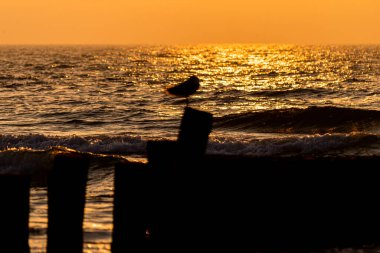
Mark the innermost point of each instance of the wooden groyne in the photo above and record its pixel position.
(14, 213)
(182, 200)
(66, 202)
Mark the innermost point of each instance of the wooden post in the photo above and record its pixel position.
(163, 208)
(175, 198)
(191, 144)
(130, 221)
(194, 131)
(66, 201)
(14, 213)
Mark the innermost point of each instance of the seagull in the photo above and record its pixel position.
(185, 89)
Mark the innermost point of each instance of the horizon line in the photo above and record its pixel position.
(191, 44)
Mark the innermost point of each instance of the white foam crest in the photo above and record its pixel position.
(243, 145)
(124, 144)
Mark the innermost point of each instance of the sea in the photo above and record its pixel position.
(108, 101)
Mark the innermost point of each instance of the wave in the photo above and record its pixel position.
(62, 66)
(29, 162)
(84, 122)
(28, 154)
(270, 74)
(296, 92)
(32, 153)
(314, 145)
(126, 145)
(136, 146)
(15, 161)
(238, 95)
(356, 80)
(311, 120)
(6, 77)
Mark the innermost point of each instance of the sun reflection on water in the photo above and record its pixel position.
(119, 91)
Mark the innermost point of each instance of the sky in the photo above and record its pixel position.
(189, 21)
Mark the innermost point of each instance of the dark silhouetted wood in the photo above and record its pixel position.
(66, 201)
(177, 208)
(163, 153)
(164, 223)
(291, 204)
(257, 204)
(262, 204)
(193, 135)
(14, 213)
(130, 219)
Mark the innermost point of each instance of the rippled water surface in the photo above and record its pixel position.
(267, 100)
(119, 90)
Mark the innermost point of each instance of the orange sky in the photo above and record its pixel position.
(189, 21)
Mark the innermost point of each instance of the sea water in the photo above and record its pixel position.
(266, 100)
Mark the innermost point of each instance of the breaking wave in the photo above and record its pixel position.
(311, 120)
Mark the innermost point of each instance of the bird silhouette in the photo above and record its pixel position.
(185, 89)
